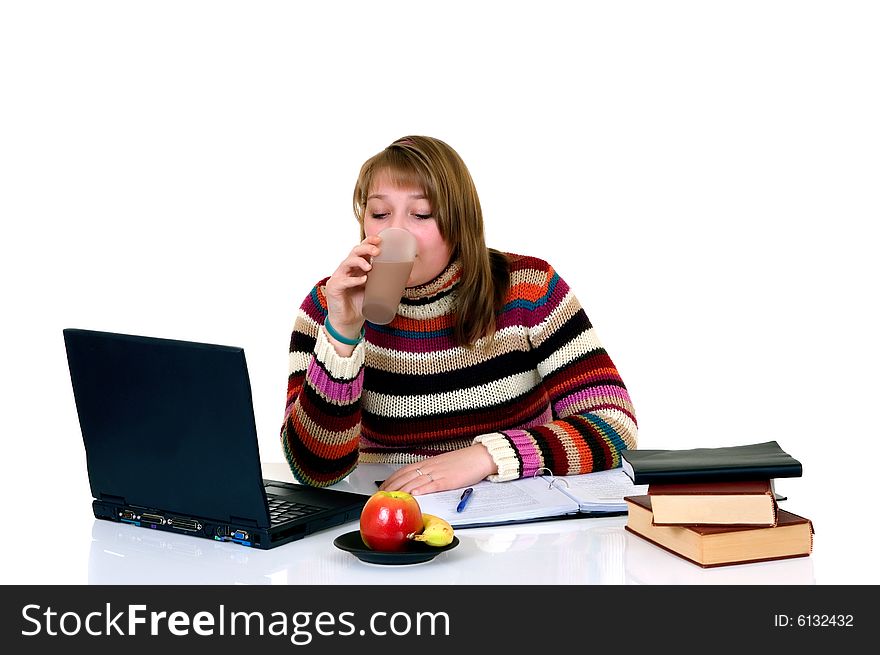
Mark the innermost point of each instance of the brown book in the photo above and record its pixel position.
(714, 503)
(713, 545)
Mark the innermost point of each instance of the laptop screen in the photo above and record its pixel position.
(168, 424)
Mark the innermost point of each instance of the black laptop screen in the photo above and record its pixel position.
(167, 424)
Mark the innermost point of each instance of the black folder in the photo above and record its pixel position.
(760, 461)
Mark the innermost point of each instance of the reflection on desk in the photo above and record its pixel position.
(124, 554)
(587, 551)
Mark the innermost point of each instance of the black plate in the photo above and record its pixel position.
(416, 553)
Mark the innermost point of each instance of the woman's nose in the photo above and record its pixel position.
(398, 219)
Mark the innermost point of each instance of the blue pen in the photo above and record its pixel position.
(465, 497)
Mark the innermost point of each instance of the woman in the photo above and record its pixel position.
(490, 370)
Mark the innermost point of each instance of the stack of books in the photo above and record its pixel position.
(716, 506)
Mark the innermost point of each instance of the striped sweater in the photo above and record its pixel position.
(542, 394)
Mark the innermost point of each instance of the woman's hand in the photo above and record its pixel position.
(453, 470)
(345, 288)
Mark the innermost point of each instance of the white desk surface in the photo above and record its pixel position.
(586, 551)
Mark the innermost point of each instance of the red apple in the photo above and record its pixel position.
(387, 518)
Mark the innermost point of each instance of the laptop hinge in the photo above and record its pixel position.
(109, 498)
(237, 520)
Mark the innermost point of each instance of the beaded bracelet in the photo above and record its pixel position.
(341, 339)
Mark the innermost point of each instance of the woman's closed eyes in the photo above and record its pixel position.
(423, 217)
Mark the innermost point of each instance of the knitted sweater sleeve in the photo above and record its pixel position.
(593, 417)
(322, 416)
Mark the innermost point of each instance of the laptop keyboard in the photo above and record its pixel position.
(281, 511)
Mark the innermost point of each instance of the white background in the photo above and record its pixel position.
(703, 174)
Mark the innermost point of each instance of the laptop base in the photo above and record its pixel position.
(241, 532)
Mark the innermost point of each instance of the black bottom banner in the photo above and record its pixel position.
(430, 619)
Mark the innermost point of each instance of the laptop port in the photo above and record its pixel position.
(153, 518)
(184, 524)
(128, 515)
(222, 531)
(240, 534)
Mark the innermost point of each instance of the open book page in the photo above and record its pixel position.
(602, 491)
(499, 502)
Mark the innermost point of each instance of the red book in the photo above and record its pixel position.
(792, 536)
(714, 503)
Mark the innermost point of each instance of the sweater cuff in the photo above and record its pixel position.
(341, 368)
(504, 455)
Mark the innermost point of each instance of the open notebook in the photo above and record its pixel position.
(536, 499)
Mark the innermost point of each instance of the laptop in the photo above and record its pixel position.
(171, 443)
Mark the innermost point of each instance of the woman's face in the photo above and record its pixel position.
(408, 208)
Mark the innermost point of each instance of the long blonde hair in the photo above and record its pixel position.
(434, 167)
